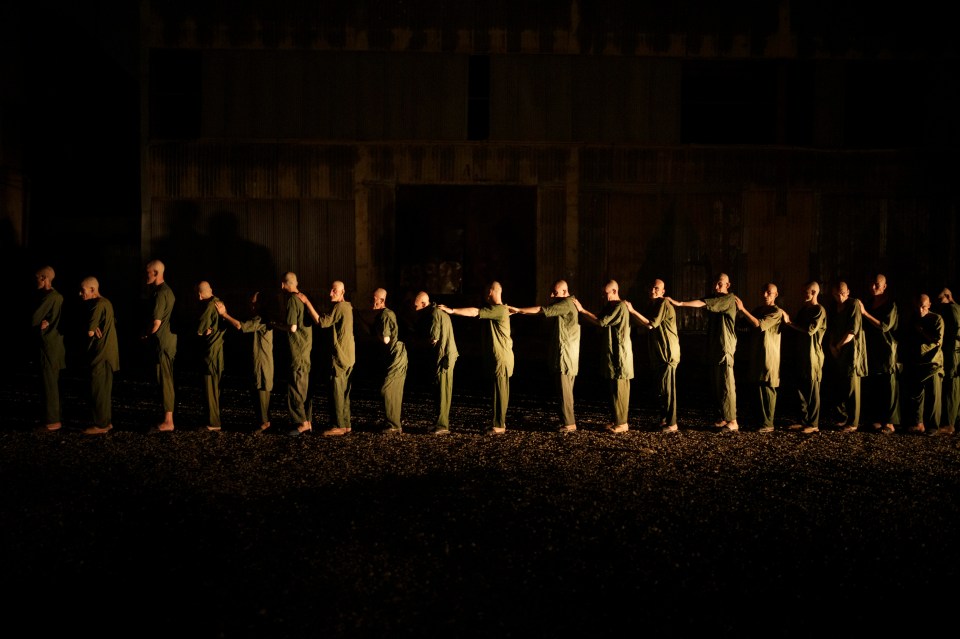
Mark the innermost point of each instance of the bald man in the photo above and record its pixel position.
(210, 330)
(848, 346)
(881, 385)
(445, 357)
(163, 339)
(810, 322)
(260, 328)
(53, 357)
(564, 347)
(496, 346)
(103, 355)
(949, 310)
(764, 364)
(395, 361)
(343, 355)
(721, 348)
(615, 319)
(298, 325)
(924, 367)
(663, 347)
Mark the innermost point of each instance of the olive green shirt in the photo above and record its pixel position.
(565, 335)
(495, 340)
(852, 360)
(765, 354)
(721, 328)
(881, 344)
(212, 342)
(340, 318)
(396, 355)
(663, 341)
(812, 322)
(619, 352)
(441, 334)
(928, 337)
(262, 351)
(301, 340)
(163, 301)
(950, 312)
(49, 308)
(103, 349)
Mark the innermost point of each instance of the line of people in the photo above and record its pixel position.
(863, 339)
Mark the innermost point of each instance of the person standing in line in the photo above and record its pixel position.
(882, 392)
(564, 353)
(164, 340)
(344, 355)
(298, 326)
(497, 348)
(103, 355)
(210, 330)
(764, 367)
(849, 348)
(663, 345)
(53, 356)
(811, 325)
(445, 348)
(615, 318)
(949, 310)
(262, 332)
(395, 362)
(924, 368)
(721, 348)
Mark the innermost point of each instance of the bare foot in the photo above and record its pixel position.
(264, 425)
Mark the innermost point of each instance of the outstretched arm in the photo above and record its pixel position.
(637, 314)
(306, 302)
(467, 311)
(690, 304)
(222, 310)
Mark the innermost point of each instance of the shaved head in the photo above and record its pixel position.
(422, 300)
(204, 289)
(44, 277)
(380, 298)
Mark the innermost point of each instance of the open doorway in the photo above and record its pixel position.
(453, 240)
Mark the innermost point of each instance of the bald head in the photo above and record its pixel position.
(879, 284)
(204, 290)
(945, 296)
(495, 293)
(612, 290)
(289, 282)
(422, 300)
(657, 289)
(380, 298)
(89, 288)
(44, 277)
(560, 289)
(337, 290)
(923, 304)
(155, 269)
(722, 285)
(811, 291)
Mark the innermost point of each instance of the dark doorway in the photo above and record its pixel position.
(453, 240)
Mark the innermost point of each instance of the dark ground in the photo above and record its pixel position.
(532, 533)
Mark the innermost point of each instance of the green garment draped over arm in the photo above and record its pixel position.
(619, 352)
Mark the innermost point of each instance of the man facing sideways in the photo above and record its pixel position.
(210, 331)
(721, 348)
(949, 310)
(298, 326)
(615, 318)
(564, 353)
(53, 357)
(261, 331)
(663, 346)
(394, 360)
(882, 389)
(848, 346)
(103, 355)
(164, 340)
(810, 323)
(343, 355)
(445, 349)
(767, 320)
(497, 348)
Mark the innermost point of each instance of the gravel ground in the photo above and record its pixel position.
(531, 533)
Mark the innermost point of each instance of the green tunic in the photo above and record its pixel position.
(881, 343)
(663, 342)
(103, 355)
(262, 352)
(53, 355)
(495, 340)
(852, 360)
(721, 325)
(619, 352)
(340, 319)
(165, 342)
(395, 360)
(812, 322)
(565, 336)
(301, 340)
(445, 347)
(765, 354)
(212, 342)
(950, 312)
